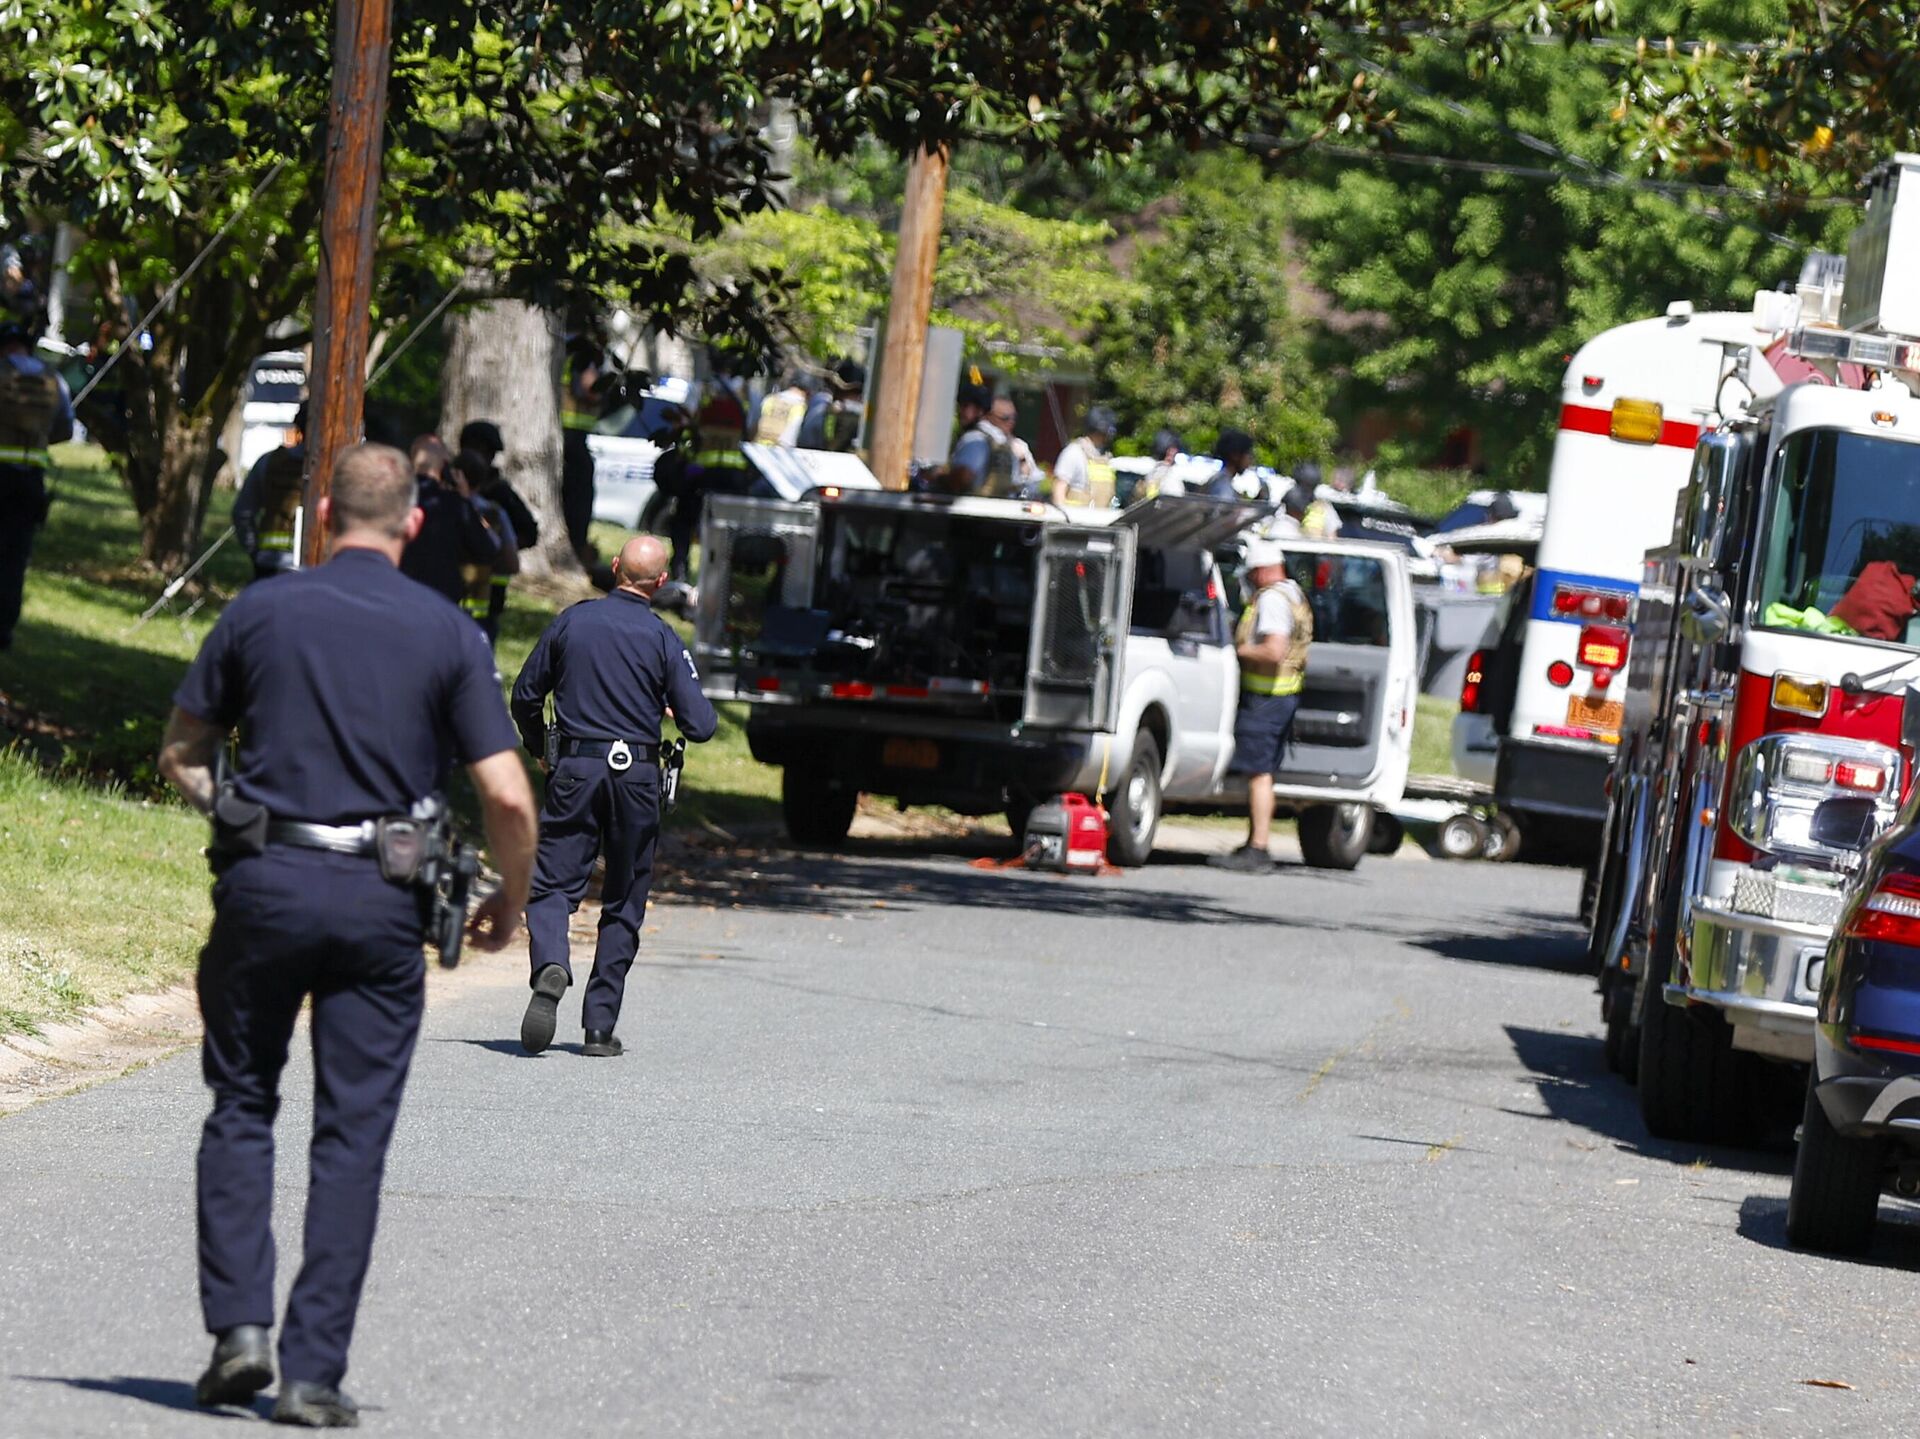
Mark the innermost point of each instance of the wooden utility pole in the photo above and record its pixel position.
(903, 352)
(337, 387)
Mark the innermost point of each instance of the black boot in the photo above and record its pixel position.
(543, 1010)
(602, 1045)
(242, 1365)
(315, 1406)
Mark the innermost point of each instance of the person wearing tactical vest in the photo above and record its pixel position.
(780, 415)
(266, 513)
(986, 451)
(1084, 475)
(1164, 478)
(484, 438)
(35, 412)
(1271, 643)
(483, 577)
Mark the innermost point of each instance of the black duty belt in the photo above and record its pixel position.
(618, 753)
(338, 838)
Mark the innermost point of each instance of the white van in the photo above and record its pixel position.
(986, 654)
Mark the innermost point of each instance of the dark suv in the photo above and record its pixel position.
(1861, 1133)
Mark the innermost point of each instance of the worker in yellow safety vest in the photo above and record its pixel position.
(1271, 642)
(1083, 474)
(266, 513)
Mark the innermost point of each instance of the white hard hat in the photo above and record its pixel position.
(1262, 553)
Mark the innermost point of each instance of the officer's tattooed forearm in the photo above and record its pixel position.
(187, 752)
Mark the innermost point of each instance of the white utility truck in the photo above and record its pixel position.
(986, 654)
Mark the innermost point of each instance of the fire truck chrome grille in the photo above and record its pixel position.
(1762, 894)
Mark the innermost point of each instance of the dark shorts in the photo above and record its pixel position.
(1260, 732)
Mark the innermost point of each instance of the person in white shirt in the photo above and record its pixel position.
(1083, 474)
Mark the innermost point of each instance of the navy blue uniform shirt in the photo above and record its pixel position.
(451, 535)
(612, 665)
(353, 688)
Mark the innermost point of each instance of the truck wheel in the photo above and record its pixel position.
(655, 514)
(1335, 836)
(1622, 1041)
(816, 809)
(1836, 1186)
(1693, 1085)
(1388, 834)
(1462, 837)
(1503, 840)
(1134, 816)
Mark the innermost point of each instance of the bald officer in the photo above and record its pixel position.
(614, 668)
(354, 690)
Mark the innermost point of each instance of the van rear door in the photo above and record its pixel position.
(1083, 595)
(1353, 734)
(754, 627)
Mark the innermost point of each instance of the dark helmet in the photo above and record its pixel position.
(482, 435)
(1166, 442)
(1232, 444)
(1307, 472)
(1101, 421)
(1296, 500)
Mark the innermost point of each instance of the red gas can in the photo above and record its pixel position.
(1067, 832)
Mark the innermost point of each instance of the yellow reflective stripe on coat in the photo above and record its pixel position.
(475, 605)
(21, 455)
(500, 582)
(278, 540)
(1252, 684)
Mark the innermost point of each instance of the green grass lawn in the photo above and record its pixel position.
(106, 890)
(1433, 735)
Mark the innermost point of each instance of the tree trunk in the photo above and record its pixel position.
(503, 364)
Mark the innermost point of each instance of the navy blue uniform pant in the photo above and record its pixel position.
(588, 811)
(288, 924)
(23, 506)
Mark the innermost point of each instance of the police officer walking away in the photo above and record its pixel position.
(353, 690)
(35, 411)
(614, 668)
(1271, 643)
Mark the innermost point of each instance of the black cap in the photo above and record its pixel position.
(979, 396)
(1232, 443)
(482, 435)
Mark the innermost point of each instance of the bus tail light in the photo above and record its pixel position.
(1602, 647)
(1559, 674)
(1864, 778)
(1470, 686)
(1572, 602)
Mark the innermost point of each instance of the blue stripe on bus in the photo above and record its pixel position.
(1547, 581)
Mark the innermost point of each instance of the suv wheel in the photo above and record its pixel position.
(1134, 816)
(1836, 1186)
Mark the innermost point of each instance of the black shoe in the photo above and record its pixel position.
(242, 1365)
(315, 1406)
(543, 1010)
(1248, 859)
(602, 1045)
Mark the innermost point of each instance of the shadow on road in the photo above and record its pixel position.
(1570, 1071)
(1533, 940)
(851, 881)
(510, 1047)
(1896, 1238)
(166, 1393)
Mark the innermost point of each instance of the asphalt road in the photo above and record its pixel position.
(904, 1147)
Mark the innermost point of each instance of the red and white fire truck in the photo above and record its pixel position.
(1768, 734)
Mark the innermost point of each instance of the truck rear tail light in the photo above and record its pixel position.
(1891, 914)
(1602, 647)
(1560, 674)
(767, 684)
(853, 690)
(1798, 695)
(1807, 768)
(1636, 421)
(1867, 778)
(1470, 686)
(953, 685)
(1574, 602)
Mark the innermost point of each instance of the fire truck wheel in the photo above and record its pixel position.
(1134, 815)
(1335, 836)
(1836, 1186)
(817, 811)
(1622, 1040)
(1693, 1084)
(1462, 837)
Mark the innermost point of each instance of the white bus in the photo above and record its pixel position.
(1634, 403)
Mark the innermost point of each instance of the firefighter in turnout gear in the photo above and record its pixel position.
(1274, 634)
(35, 411)
(266, 514)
